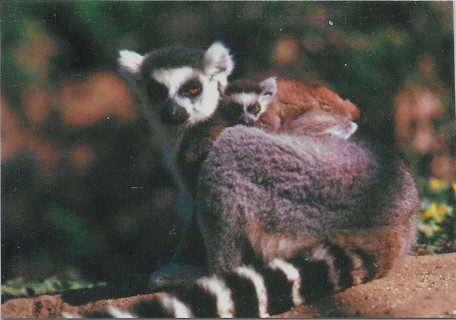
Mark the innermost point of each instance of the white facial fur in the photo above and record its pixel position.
(174, 78)
(268, 90)
(199, 108)
(217, 66)
(245, 99)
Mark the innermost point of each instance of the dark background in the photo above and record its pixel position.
(84, 191)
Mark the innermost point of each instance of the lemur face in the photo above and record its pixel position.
(178, 93)
(250, 99)
(183, 84)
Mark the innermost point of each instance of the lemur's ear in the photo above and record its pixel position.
(268, 91)
(130, 61)
(218, 63)
(269, 86)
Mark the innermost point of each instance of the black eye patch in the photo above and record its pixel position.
(191, 88)
(157, 91)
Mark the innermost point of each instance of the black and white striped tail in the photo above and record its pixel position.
(262, 291)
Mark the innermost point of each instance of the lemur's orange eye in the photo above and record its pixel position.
(255, 109)
(193, 90)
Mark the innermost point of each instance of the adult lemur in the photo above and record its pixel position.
(285, 218)
(182, 86)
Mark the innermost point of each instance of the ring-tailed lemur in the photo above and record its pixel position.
(286, 219)
(294, 98)
(178, 87)
(302, 109)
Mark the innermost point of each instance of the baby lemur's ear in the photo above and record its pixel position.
(218, 63)
(268, 91)
(269, 86)
(130, 62)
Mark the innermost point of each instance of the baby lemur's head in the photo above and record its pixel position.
(245, 100)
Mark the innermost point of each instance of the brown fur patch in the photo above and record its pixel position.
(384, 243)
(294, 98)
(274, 244)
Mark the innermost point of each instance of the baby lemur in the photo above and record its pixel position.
(280, 105)
(294, 98)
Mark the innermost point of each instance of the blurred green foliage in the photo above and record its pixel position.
(118, 216)
(20, 288)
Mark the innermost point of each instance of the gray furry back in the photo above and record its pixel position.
(263, 196)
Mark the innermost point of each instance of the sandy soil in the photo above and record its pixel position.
(425, 287)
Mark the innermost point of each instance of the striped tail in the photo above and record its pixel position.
(262, 291)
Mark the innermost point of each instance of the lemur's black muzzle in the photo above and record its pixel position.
(173, 114)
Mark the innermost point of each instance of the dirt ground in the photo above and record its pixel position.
(423, 288)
